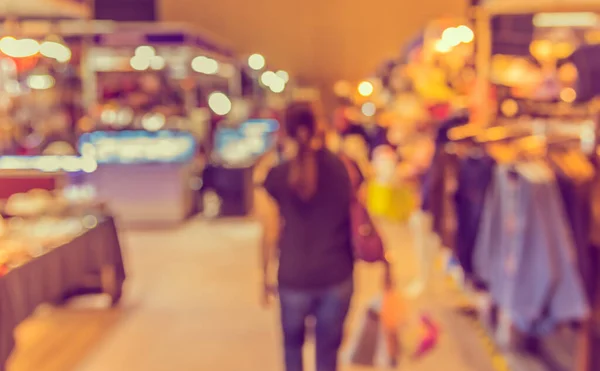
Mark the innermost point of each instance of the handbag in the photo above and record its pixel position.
(366, 241)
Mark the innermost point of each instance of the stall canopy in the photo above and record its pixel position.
(175, 34)
(538, 6)
(44, 9)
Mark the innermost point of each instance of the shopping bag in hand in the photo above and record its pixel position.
(373, 343)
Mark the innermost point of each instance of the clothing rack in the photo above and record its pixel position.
(553, 135)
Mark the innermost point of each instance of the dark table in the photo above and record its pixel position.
(90, 263)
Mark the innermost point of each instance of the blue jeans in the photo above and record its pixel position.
(329, 307)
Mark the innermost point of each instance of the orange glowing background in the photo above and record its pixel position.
(320, 41)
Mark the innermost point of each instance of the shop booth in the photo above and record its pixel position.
(538, 132)
(39, 85)
(56, 241)
(145, 68)
(229, 187)
(150, 85)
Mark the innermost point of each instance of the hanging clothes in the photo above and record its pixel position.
(439, 184)
(439, 188)
(525, 253)
(575, 195)
(474, 177)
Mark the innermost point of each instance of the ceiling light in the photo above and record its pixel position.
(153, 121)
(365, 88)
(139, 63)
(40, 82)
(582, 19)
(19, 48)
(157, 62)
(211, 66)
(283, 75)
(451, 36)
(268, 77)
(219, 103)
(465, 34)
(145, 51)
(368, 109)
(55, 50)
(441, 46)
(277, 85)
(205, 65)
(257, 62)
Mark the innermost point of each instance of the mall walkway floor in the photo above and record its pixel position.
(192, 305)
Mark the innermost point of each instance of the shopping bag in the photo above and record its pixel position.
(422, 336)
(374, 344)
(393, 310)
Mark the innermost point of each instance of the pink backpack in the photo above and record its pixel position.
(367, 243)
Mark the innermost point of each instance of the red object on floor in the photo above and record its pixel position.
(430, 340)
(22, 184)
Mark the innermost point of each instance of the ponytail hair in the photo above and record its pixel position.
(301, 126)
(301, 123)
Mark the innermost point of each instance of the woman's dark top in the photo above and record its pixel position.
(315, 240)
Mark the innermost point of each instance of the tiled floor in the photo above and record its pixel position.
(192, 304)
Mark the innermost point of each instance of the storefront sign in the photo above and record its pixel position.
(240, 145)
(48, 164)
(260, 127)
(126, 147)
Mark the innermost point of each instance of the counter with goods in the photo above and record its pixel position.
(143, 177)
(48, 259)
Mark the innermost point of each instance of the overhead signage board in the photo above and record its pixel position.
(126, 10)
(127, 147)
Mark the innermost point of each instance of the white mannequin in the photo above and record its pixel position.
(427, 246)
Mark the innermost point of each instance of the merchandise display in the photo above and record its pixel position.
(397, 113)
(51, 260)
(154, 76)
(511, 207)
(510, 194)
(23, 239)
(39, 97)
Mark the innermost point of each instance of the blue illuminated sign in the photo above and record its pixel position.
(127, 147)
(260, 126)
(246, 142)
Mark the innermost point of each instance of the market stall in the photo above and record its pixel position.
(83, 257)
(139, 72)
(143, 177)
(229, 187)
(155, 88)
(40, 83)
(54, 244)
(537, 135)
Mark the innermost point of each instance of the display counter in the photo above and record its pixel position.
(90, 263)
(142, 177)
(145, 194)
